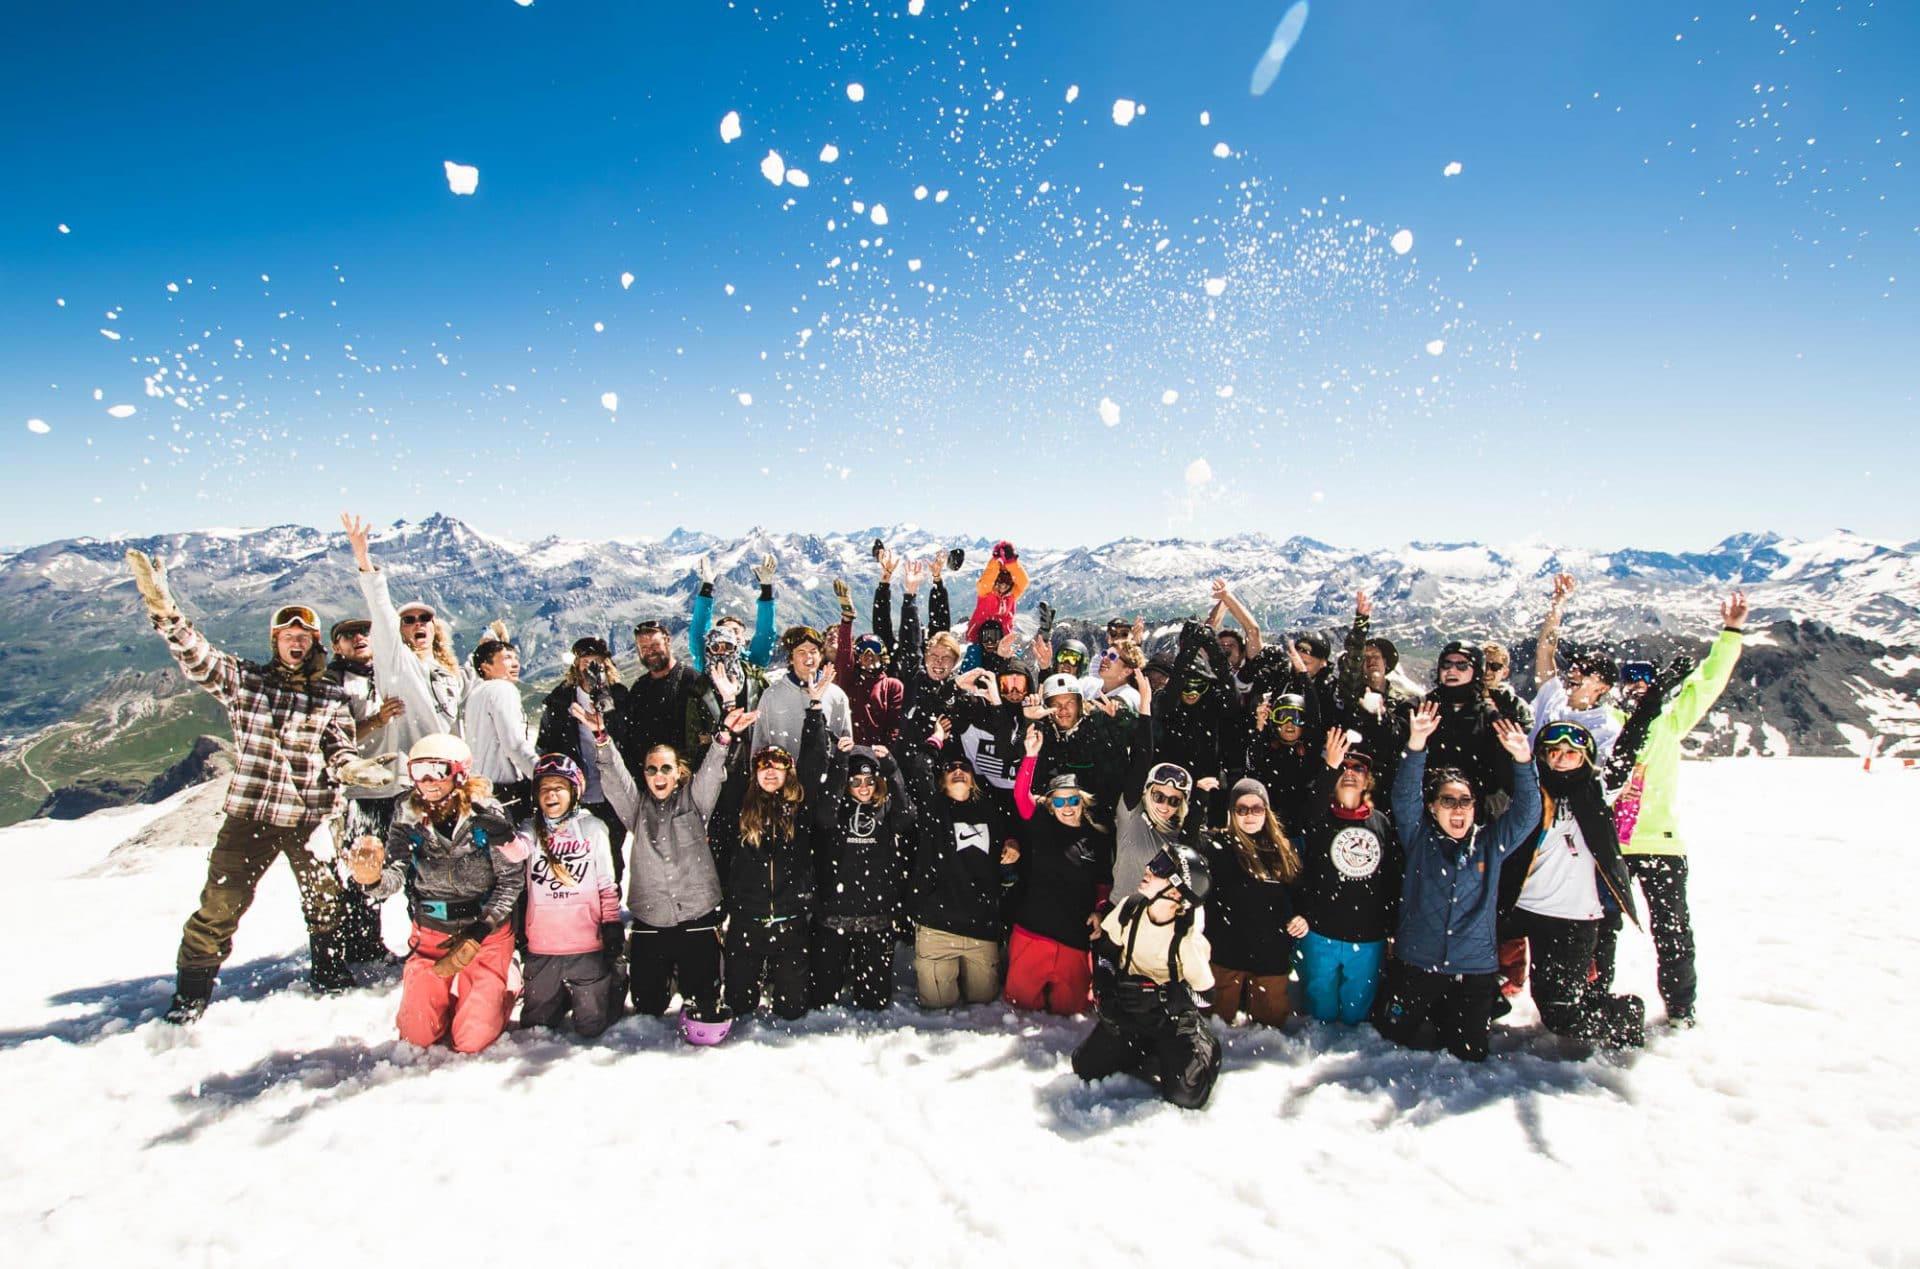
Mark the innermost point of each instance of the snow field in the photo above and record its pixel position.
(1779, 1132)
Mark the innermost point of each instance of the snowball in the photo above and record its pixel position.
(856, 92)
(913, 266)
(626, 281)
(1402, 242)
(1451, 169)
(879, 214)
(730, 126)
(919, 192)
(1169, 396)
(1224, 391)
(1220, 150)
(729, 287)
(1436, 346)
(110, 334)
(599, 328)
(940, 196)
(1206, 118)
(1124, 109)
(609, 401)
(38, 427)
(1199, 472)
(1109, 412)
(1073, 94)
(122, 411)
(1216, 286)
(796, 177)
(829, 152)
(746, 398)
(915, 6)
(773, 167)
(65, 230)
(462, 179)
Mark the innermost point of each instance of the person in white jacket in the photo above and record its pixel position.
(411, 659)
(495, 725)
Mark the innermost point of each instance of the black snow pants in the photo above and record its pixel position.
(1561, 952)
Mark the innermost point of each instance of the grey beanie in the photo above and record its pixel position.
(1247, 784)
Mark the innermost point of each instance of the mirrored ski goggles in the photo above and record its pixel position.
(1171, 773)
(430, 769)
(1636, 672)
(1069, 658)
(1572, 735)
(772, 756)
(296, 615)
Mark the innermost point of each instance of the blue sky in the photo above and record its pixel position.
(1668, 295)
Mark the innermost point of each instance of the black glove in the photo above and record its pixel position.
(478, 932)
(1677, 669)
(1046, 621)
(613, 940)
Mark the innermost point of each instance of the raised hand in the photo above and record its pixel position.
(942, 729)
(1042, 650)
(1208, 783)
(845, 744)
(357, 532)
(1513, 738)
(703, 568)
(842, 593)
(150, 579)
(767, 569)
(1563, 588)
(726, 684)
(390, 708)
(936, 565)
(1217, 589)
(822, 680)
(589, 717)
(365, 859)
(881, 751)
(888, 562)
(368, 773)
(1337, 746)
(1733, 610)
(1106, 705)
(738, 720)
(1422, 722)
(1261, 713)
(498, 630)
(916, 573)
(1363, 604)
(1140, 631)
(1033, 741)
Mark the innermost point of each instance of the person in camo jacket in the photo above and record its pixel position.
(293, 747)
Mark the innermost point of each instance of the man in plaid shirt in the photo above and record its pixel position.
(293, 747)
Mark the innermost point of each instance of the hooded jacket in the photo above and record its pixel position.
(671, 876)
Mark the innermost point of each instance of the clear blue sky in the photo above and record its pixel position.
(1673, 282)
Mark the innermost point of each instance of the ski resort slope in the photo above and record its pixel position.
(286, 1129)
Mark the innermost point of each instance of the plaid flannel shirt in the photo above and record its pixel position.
(288, 744)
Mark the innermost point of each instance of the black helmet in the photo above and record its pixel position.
(1186, 868)
(1073, 647)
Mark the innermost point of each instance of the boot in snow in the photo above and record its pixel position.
(330, 972)
(191, 991)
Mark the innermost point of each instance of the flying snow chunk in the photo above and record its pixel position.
(913, 266)
(746, 398)
(462, 179)
(879, 213)
(1124, 109)
(525, 4)
(1224, 391)
(1073, 95)
(1169, 396)
(1216, 286)
(122, 411)
(1199, 473)
(856, 92)
(1451, 169)
(829, 152)
(773, 167)
(796, 177)
(1401, 242)
(1206, 118)
(626, 281)
(38, 427)
(1220, 150)
(1109, 412)
(1436, 346)
(729, 288)
(609, 401)
(1285, 36)
(919, 193)
(940, 196)
(915, 6)
(110, 334)
(730, 127)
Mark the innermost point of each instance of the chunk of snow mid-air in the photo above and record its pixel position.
(626, 281)
(1402, 242)
(1109, 412)
(110, 334)
(38, 426)
(63, 229)
(879, 213)
(915, 6)
(797, 177)
(730, 126)
(746, 398)
(1436, 346)
(1169, 396)
(913, 266)
(122, 411)
(1451, 169)
(1285, 36)
(1073, 95)
(1124, 109)
(773, 167)
(462, 179)
(609, 401)
(1199, 472)
(1216, 286)
(1221, 150)
(828, 153)
(856, 92)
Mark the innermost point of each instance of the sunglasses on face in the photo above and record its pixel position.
(1250, 808)
(1059, 800)
(416, 618)
(862, 781)
(1455, 663)
(1450, 802)
(1166, 799)
(1109, 656)
(659, 768)
(430, 769)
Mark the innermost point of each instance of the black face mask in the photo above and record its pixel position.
(1562, 783)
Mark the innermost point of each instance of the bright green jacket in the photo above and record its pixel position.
(1657, 831)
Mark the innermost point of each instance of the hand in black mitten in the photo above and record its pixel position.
(1677, 669)
(613, 941)
(1046, 621)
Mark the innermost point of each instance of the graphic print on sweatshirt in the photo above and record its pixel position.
(575, 856)
(1356, 853)
(970, 837)
(994, 765)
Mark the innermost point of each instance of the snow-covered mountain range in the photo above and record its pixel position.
(72, 625)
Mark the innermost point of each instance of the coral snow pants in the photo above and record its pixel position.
(470, 1008)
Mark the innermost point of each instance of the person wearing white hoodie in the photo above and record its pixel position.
(412, 659)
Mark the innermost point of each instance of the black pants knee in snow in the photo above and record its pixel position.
(1663, 879)
(1179, 1054)
(773, 956)
(685, 957)
(1458, 1008)
(1561, 952)
(583, 985)
(858, 959)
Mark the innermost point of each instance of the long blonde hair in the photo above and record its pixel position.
(443, 646)
(450, 809)
(1269, 856)
(765, 815)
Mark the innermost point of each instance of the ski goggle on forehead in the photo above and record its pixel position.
(1570, 734)
(296, 615)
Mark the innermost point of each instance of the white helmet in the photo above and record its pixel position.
(1059, 685)
(442, 747)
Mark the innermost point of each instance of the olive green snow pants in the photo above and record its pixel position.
(242, 853)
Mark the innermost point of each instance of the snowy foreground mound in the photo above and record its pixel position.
(287, 1129)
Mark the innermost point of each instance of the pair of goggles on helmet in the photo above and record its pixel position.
(1069, 656)
(772, 756)
(419, 769)
(1172, 774)
(1572, 735)
(296, 615)
(1164, 866)
(721, 640)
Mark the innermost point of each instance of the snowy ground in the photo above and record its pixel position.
(290, 1129)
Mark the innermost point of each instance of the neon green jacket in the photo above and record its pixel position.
(1658, 771)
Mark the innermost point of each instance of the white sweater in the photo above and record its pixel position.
(496, 729)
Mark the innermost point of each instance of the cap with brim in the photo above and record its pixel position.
(1065, 782)
(350, 627)
(416, 605)
(1314, 645)
(1388, 653)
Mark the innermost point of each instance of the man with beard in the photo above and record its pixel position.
(656, 709)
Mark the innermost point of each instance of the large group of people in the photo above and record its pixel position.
(1075, 821)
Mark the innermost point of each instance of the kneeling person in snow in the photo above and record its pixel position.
(1150, 972)
(575, 951)
(452, 849)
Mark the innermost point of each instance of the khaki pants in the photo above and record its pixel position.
(242, 853)
(950, 968)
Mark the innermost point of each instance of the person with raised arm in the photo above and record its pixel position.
(1001, 584)
(963, 847)
(757, 653)
(1065, 861)
(412, 653)
(863, 864)
(860, 668)
(1349, 887)
(1580, 694)
(1242, 646)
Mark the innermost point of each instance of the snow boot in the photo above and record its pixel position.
(191, 991)
(330, 973)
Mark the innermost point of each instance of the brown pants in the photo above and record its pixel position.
(242, 853)
(1263, 996)
(949, 968)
